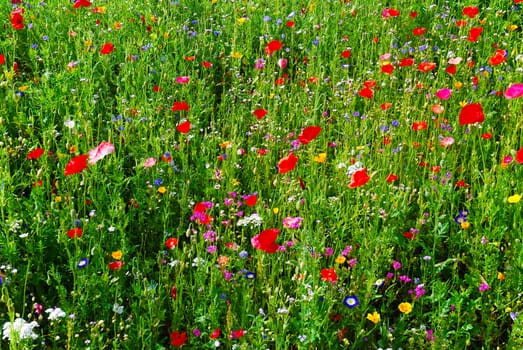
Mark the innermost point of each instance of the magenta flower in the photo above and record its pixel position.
(514, 91)
(483, 287)
(444, 94)
(292, 222)
(103, 149)
(183, 80)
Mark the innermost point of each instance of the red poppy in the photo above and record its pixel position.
(408, 235)
(81, 3)
(419, 126)
(486, 136)
(260, 113)
(35, 154)
(206, 64)
(76, 165)
(266, 240)
(470, 11)
(2, 58)
(184, 127)
(329, 275)
(308, 134)
(472, 113)
(75, 232)
(451, 69)
(426, 66)
(461, 183)
(413, 14)
(359, 178)
(290, 24)
(250, 200)
(391, 178)
(461, 23)
(498, 58)
(180, 106)
(346, 54)
(474, 34)
(116, 265)
(519, 156)
(366, 92)
(272, 47)
(370, 83)
(173, 292)
(156, 88)
(385, 106)
(418, 31)
(107, 49)
(386, 140)
(406, 62)
(237, 334)
(387, 68)
(17, 20)
(287, 164)
(216, 333)
(171, 243)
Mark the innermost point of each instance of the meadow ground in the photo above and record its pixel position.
(261, 174)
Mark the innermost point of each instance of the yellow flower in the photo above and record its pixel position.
(465, 225)
(241, 20)
(512, 27)
(320, 158)
(117, 255)
(458, 85)
(235, 182)
(275, 210)
(236, 54)
(501, 276)
(340, 259)
(166, 35)
(162, 189)
(374, 317)
(57, 199)
(514, 199)
(225, 144)
(405, 308)
(23, 88)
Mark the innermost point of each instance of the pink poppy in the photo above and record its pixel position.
(514, 91)
(103, 149)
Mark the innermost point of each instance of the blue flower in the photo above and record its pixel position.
(250, 275)
(351, 301)
(83, 263)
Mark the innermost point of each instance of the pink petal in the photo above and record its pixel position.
(444, 94)
(103, 149)
(514, 91)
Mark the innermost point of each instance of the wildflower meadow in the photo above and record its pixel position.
(239, 174)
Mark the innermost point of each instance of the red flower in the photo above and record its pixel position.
(75, 232)
(359, 178)
(366, 92)
(260, 113)
(287, 164)
(385, 106)
(206, 64)
(474, 34)
(470, 11)
(387, 68)
(173, 292)
(237, 334)
(216, 333)
(413, 14)
(272, 47)
(406, 62)
(180, 106)
(419, 126)
(81, 3)
(346, 54)
(178, 339)
(290, 24)
(451, 69)
(418, 31)
(461, 183)
(308, 134)
(171, 243)
(35, 154)
(329, 275)
(250, 200)
(486, 136)
(498, 58)
(107, 49)
(116, 265)
(426, 66)
(391, 178)
(2, 58)
(470, 114)
(184, 127)
(265, 240)
(76, 165)
(17, 20)
(519, 156)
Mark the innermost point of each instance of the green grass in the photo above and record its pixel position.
(388, 242)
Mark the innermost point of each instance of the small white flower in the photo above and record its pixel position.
(21, 327)
(55, 313)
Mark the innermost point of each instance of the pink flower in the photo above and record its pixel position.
(183, 80)
(483, 287)
(292, 222)
(446, 141)
(282, 63)
(149, 162)
(103, 149)
(444, 94)
(514, 91)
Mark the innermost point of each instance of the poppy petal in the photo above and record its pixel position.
(514, 91)
(308, 134)
(470, 114)
(76, 165)
(287, 164)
